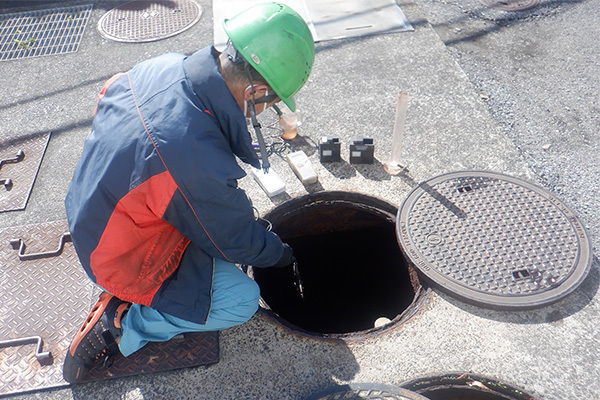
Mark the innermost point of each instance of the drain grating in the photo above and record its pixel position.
(147, 21)
(511, 5)
(19, 164)
(494, 240)
(42, 32)
(45, 296)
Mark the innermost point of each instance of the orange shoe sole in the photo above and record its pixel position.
(90, 321)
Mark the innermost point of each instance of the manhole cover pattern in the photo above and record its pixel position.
(490, 235)
(42, 32)
(511, 5)
(146, 21)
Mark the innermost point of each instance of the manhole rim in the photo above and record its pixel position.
(466, 380)
(109, 36)
(489, 300)
(423, 294)
(359, 388)
(422, 299)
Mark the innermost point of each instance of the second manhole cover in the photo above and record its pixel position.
(511, 5)
(147, 21)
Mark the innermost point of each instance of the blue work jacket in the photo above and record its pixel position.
(158, 173)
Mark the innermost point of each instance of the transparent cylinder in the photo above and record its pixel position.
(393, 166)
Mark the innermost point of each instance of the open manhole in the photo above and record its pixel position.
(511, 5)
(149, 20)
(488, 239)
(494, 240)
(465, 387)
(352, 270)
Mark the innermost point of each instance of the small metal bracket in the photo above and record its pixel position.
(20, 245)
(44, 358)
(19, 157)
(7, 183)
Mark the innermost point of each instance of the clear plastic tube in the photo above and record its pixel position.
(393, 166)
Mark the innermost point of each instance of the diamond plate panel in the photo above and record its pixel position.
(50, 296)
(494, 240)
(20, 161)
(192, 349)
(44, 297)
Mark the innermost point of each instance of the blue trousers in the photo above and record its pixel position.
(234, 301)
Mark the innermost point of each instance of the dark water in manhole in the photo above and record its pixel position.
(353, 273)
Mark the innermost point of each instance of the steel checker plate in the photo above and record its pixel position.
(50, 296)
(147, 21)
(494, 240)
(189, 350)
(21, 173)
(43, 32)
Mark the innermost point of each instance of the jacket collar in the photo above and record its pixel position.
(215, 98)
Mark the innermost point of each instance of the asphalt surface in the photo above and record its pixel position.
(514, 93)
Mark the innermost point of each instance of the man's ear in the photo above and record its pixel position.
(260, 89)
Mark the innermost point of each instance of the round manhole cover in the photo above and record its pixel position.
(494, 240)
(511, 5)
(147, 21)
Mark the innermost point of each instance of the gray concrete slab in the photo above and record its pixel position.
(538, 72)
(550, 352)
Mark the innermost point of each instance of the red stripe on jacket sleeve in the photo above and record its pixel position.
(105, 87)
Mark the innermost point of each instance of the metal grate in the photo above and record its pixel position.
(42, 32)
(494, 240)
(147, 21)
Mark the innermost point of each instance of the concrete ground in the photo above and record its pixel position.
(510, 93)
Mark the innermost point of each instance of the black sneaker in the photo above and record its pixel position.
(97, 338)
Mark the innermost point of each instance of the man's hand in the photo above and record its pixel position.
(287, 258)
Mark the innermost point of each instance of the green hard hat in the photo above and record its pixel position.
(276, 41)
